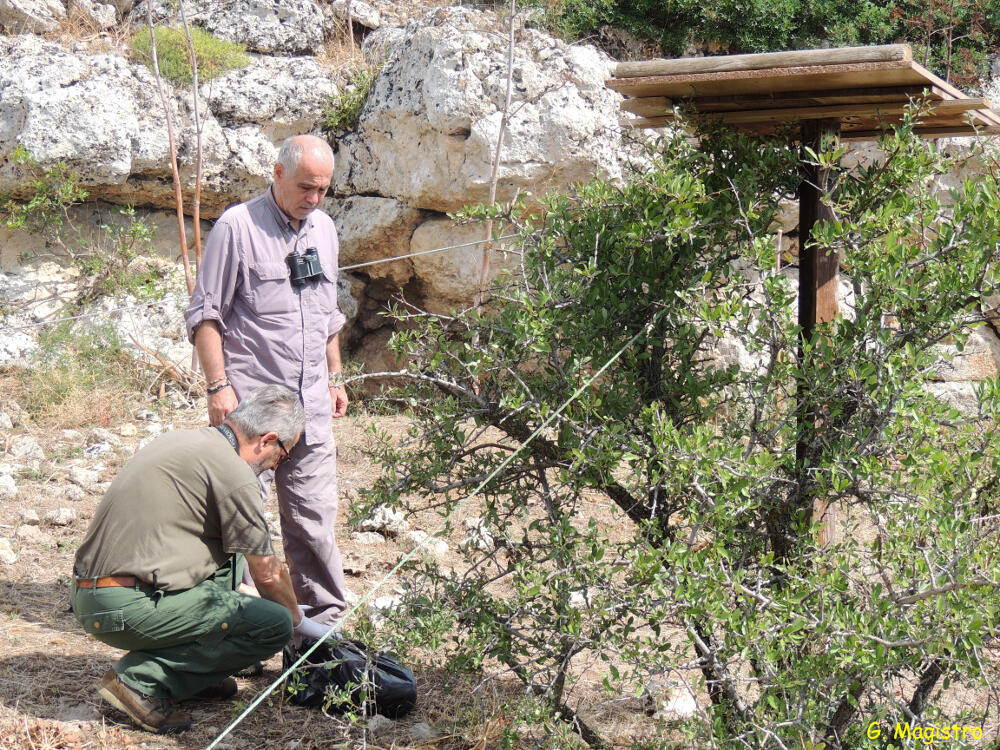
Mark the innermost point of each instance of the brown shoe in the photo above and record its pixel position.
(220, 691)
(152, 714)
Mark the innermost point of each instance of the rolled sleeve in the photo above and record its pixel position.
(218, 278)
(335, 322)
(241, 518)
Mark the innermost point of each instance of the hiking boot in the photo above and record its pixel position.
(152, 714)
(220, 691)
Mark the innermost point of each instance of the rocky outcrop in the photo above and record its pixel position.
(281, 96)
(356, 12)
(372, 229)
(423, 147)
(101, 116)
(283, 27)
(441, 93)
(99, 16)
(450, 277)
(273, 27)
(31, 16)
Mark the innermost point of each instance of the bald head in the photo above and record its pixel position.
(302, 175)
(294, 148)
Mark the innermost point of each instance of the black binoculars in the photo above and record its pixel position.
(305, 267)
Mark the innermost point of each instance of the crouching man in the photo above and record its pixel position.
(158, 570)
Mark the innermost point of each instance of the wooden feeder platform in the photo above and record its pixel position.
(865, 88)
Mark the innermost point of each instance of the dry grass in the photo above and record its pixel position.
(341, 52)
(55, 397)
(77, 26)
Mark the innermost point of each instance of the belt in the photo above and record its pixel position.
(101, 583)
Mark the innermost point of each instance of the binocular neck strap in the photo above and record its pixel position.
(228, 434)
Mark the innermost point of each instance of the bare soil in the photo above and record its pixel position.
(49, 667)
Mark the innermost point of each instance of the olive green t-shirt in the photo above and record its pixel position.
(179, 508)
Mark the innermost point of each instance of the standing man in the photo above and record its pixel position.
(157, 573)
(264, 310)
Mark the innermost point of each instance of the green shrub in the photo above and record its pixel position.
(952, 37)
(51, 190)
(343, 110)
(114, 264)
(111, 260)
(214, 56)
(658, 520)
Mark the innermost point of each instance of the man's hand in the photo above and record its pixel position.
(309, 628)
(220, 404)
(338, 397)
(270, 576)
(208, 344)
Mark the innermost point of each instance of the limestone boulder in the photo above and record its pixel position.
(372, 229)
(441, 95)
(358, 12)
(275, 27)
(8, 487)
(283, 95)
(7, 554)
(960, 395)
(379, 44)
(88, 111)
(31, 16)
(978, 359)
(25, 448)
(449, 278)
(390, 12)
(101, 116)
(93, 14)
(16, 348)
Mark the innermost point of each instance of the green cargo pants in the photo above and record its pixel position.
(181, 642)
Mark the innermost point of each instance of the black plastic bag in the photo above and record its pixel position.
(340, 666)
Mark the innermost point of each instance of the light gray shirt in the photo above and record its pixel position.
(272, 332)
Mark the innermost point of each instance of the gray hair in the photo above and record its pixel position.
(270, 408)
(293, 147)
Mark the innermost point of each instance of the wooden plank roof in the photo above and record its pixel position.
(866, 88)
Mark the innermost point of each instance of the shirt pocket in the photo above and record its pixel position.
(270, 290)
(109, 621)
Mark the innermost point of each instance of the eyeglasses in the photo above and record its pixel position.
(284, 450)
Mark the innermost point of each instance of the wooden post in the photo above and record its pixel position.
(817, 283)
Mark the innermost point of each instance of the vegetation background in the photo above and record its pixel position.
(954, 38)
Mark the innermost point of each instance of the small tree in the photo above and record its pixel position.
(709, 566)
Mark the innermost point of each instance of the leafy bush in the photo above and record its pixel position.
(115, 265)
(51, 190)
(343, 110)
(952, 37)
(111, 261)
(214, 56)
(655, 518)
